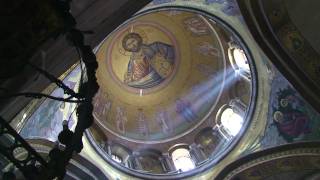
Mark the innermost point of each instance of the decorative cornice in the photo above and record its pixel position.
(268, 155)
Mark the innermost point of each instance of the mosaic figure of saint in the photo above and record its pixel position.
(197, 26)
(101, 105)
(205, 69)
(162, 118)
(289, 115)
(121, 119)
(106, 108)
(207, 49)
(292, 124)
(183, 108)
(142, 124)
(149, 64)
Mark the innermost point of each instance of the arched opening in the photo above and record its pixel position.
(148, 160)
(231, 121)
(182, 159)
(119, 153)
(241, 59)
(116, 158)
(238, 60)
(208, 141)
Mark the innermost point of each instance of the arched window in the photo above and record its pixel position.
(149, 160)
(231, 121)
(116, 158)
(241, 59)
(119, 153)
(182, 159)
(238, 60)
(208, 140)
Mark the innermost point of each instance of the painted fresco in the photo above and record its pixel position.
(157, 2)
(304, 56)
(149, 51)
(197, 26)
(229, 7)
(46, 121)
(207, 49)
(183, 109)
(163, 121)
(290, 118)
(121, 120)
(155, 72)
(149, 64)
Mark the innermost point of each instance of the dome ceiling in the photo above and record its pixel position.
(175, 90)
(155, 72)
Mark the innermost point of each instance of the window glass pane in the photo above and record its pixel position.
(182, 160)
(241, 59)
(116, 158)
(231, 121)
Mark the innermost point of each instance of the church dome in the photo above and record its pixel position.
(176, 86)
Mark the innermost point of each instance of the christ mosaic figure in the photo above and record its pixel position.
(149, 64)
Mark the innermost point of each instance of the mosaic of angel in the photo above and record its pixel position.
(149, 64)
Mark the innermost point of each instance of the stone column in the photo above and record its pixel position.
(135, 161)
(238, 106)
(129, 162)
(167, 162)
(163, 164)
(196, 153)
(109, 148)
